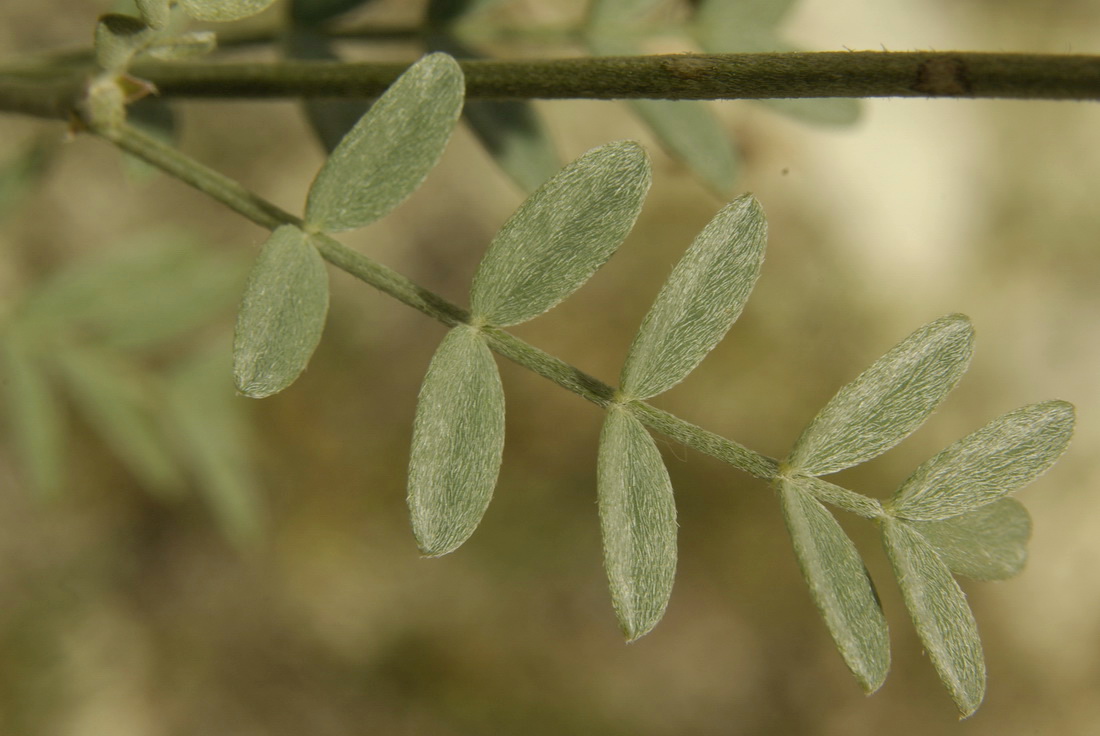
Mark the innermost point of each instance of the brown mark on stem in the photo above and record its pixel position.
(943, 75)
(688, 67)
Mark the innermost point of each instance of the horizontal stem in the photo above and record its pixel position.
(57, 91)
(48, 97)
(673, 77)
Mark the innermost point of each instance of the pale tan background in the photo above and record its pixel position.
(122, 616)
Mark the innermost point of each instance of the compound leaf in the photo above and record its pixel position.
(702, 298)
(939, 611)
(223, 10)
(986, 465)
(561, 235)
(35, 416)
(391, 149)
(888, 401)
(282, 314)
(638, 520)
(458, 438)
(988, 543)
(840, 586)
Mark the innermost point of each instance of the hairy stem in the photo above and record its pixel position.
(218, 186)
(830, 493)
(672, 77)
(43, 98)
(55, 91)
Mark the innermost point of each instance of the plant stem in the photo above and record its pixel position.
(267, 215)
(43, 98)
(216, 185)
(706, 442)
(672, 77)
(420, 34)
(856, 503)
(49, 91)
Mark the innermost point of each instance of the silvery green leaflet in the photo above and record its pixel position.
(371, 171)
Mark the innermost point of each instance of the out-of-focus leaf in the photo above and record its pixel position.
(688, 130)
(282, 314)
(888, 401)
(638, 520)
(315, 12)
(155, 13)
(118, 38)
(826, 111)
(391, 149)
(615, 13)
(144, 293)
(561, 235)
(35, 416)
(117, 401)
(19, 175)
(732, 25)
(458, 439)
(514, 135)
(223, 10)
(986, 465)
(330, 119)
(988, 543)
(212, 438)
(939, 611)
(510, 130)
(840, 586)
(702, 298)
(184, 46)
(446, 12)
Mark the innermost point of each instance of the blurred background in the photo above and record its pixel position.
(258, 576)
